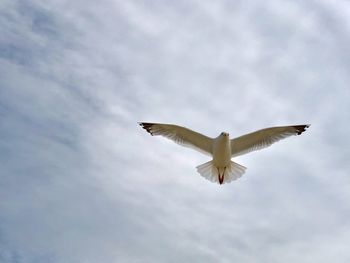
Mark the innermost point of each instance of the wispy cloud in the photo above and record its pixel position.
(81, 182)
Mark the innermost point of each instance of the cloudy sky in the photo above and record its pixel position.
(80, 181)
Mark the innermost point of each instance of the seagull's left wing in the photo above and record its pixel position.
(180, 135)
(263, 138)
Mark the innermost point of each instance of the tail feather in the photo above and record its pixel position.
(207, 171)
(211, 173)
(235, 171)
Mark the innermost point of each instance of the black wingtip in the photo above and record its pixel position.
(301, 128)
(147, 126)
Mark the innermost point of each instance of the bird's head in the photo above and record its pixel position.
(224, 134)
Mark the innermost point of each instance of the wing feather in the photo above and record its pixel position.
(263, 138)
(180, 135)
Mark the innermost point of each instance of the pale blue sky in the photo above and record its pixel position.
(80, 181)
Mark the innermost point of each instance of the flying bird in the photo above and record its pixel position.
(221, 169)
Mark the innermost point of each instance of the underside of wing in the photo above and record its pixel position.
(180, 135)
(263, 138)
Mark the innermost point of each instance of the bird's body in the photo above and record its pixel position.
(221, 169)
(221, 150)
(221, 155)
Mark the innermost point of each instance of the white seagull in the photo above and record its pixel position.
(221, 169)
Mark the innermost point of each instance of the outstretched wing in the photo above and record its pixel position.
(180, 135)
(263, 138)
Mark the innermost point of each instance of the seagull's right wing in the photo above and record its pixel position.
(180, 135)
(263, 138)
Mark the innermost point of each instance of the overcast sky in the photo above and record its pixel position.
(80, 181)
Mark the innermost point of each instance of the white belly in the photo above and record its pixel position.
(222, 153)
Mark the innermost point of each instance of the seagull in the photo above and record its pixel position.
(221, 169)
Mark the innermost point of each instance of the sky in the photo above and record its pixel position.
(80, 181)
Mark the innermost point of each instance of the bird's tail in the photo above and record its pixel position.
(221, 176)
